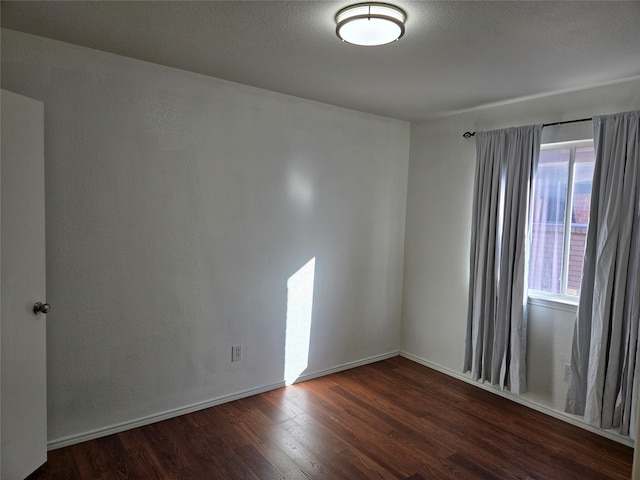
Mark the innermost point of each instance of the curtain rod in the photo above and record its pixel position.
(472, 134)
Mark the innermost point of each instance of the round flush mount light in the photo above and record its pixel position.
(370, 24)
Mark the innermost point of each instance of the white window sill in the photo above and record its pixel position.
(557, 303)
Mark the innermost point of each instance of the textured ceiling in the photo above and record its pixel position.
(455, 55)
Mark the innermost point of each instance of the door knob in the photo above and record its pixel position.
(40, 307)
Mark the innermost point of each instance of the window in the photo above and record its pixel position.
(561, 200)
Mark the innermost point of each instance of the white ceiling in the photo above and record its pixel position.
(455, 55)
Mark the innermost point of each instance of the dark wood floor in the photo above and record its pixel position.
(391, 419)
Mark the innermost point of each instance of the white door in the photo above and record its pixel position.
(23, 389)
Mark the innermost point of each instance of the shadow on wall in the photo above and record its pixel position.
(298, 322)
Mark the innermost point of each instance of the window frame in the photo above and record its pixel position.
(539, 296)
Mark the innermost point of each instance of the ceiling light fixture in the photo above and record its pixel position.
(370, 24)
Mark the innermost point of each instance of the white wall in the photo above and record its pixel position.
(0, 310)
(441, 171)
(177, 207)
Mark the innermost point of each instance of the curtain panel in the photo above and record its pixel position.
(495, 348)
(604, 364)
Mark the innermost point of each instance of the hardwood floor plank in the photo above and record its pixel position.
(60, 466)
(310, 464)
(347, 460)
(445, 433)
(365, 425)
(561, 440)
(470, 469)
(393, 419)
(281, 449)
(258, 464)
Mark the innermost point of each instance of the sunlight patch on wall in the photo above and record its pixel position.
(298, 326)
(301, 189)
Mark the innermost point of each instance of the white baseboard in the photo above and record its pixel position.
(346, 366)
(176, 412)
(140, 422)
(566, 417)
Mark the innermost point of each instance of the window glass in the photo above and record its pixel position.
(582, 182)
(561, 202)
(549, 206)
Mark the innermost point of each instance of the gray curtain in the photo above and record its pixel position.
(495, 347)
(604, 362)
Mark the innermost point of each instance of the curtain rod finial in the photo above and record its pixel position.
(469, 134)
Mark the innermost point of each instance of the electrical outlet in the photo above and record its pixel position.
(567, 372)
(236, 353)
